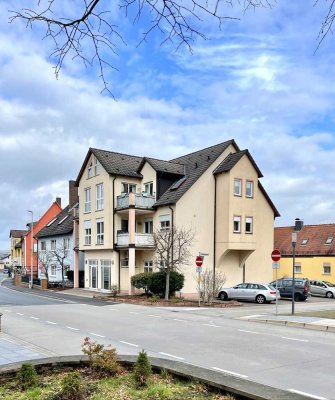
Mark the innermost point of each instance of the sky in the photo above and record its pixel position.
(258, 80)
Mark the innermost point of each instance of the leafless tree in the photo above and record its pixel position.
(57, 257)
(88, 35)
(45, 260)
(211, 284)
(60, 255)
(172, 250)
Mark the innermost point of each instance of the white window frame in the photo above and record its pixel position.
(239, 187)
(66, 244)
(90, 169)
(237, 218)
(100, 196)
(96, 167)
(128, 187)
(165, 222)
(53, 270)
(43, 245)
(150, 223)
(88, 233)
(149, 188)
(53, 244)
(297, 268)
(327, 265)
(251, 194)
(100, 231)
(87, 207)
(250, 221)
(148, 266)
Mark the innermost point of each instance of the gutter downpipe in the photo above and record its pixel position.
(172, 223)
(114, 247)
(214, 234)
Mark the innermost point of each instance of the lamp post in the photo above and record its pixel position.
(32, 249)
(294, 242)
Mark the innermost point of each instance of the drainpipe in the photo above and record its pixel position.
(214, 233)
(114, 247)
(172, 227)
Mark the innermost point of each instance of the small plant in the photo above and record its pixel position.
(155, 298)
(114, 290)
(73, 387)
(142, 368)
(104, 360)
(27, 377)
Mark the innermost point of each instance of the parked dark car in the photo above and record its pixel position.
(301, 288)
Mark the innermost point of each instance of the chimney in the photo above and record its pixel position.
(73, 193)
(59, 201)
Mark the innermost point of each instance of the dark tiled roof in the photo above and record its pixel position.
(232, 159)
(164, 166)
(17, 233)
(55, 229)
(316, 235)
(195, 165)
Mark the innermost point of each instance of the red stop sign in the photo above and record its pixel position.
(198, 261)
(275, 255)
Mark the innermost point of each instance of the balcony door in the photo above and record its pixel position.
(105, 274)
(93, 266)
(148, 225)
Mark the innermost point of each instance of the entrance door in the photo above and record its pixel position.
(93, 264)
(105, 274)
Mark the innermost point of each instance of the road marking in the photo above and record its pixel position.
(129, 344)
(19, 313)
(312, 396)
(246, 331)
(7, 310)
(96, 334)
(132, 312)
(297, 340)
(50, 322)
(113, 309)
(212, 325)
(230, 372)
(154, 316)
(251, 316)
(179, 320)
(170, 355)
(72, 329)
(34, 318)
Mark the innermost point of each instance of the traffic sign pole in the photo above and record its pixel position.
(275, 255)
(198, 262)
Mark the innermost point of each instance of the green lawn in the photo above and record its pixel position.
(318, 314)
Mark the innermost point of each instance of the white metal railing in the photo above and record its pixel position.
(141, 201)
(141, 239)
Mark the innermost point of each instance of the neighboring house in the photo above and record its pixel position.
(16, 237)
(214, 191)
(4, 261)
(28, 241)
(58, 244)
(315, 252)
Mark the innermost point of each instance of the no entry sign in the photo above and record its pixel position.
(275, 255)
(198, 261)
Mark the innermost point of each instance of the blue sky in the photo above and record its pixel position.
(256, 80)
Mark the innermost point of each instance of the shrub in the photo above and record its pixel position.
(142, 368)
(73, 387)
(141, 281)
(27, 377)
(157, 282)
(102, 359)
(114, 290)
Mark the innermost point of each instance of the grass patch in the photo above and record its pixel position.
(318, 314)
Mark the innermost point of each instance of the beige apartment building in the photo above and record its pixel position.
(215, 192)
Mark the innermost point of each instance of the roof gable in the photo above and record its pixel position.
(232, 159)
(61, 225)
(162, 166)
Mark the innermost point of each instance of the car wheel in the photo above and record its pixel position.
(329, 295)
(223, 296)
(260, 299)
(297, 297)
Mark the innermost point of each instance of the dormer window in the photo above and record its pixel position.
(329, 240)
(96, 167)
(90, 170)
(304, 242)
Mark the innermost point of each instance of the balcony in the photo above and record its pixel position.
(141, 240)
(142, 201)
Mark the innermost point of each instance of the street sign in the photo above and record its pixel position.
(198, 261)
(275, 265)
(275, 255)
(198, 269)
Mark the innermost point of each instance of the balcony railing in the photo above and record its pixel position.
(138, 200)
(141, 239)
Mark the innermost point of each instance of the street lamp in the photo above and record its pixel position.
(294, 242)
(32, 249)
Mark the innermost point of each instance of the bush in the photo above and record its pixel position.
(142, 368)
(73, 387)
(114, 290)
(27, 377)
(157, 283)
(102, 359)
(141, 281)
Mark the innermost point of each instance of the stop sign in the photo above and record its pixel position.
(275, 255)
(198, 261)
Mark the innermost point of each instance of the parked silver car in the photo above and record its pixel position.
(258, 292)
(322, 288)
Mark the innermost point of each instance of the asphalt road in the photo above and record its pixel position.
(289, 358)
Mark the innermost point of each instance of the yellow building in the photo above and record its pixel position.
(15, 236)
(315, 252)
(215, 192)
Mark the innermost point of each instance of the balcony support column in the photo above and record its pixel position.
(131, 228)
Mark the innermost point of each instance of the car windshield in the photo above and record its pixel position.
(329, 284)
(272, 287)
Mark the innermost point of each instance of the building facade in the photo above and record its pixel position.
(214, 192)
(16, 238)
(315, 252)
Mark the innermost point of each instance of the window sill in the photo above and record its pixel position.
(248, 233)
(327, 274)
(238, 232)
(237, 195)
(249, 197)
(87, 212)
(99, 244)
(100, 209)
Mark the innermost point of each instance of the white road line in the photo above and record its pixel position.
(312, 396)
(297, 340)
(50, 322)
(132, 312)
(154, 316)
(113, 309)
(34, 318)
(72, 329)
(7, 310)
(244, 330)
(251, 316)
(230, 372)
(212, 325)
(129, 344)
(19, 313)
(170, 355)
(179, 320)
(96, 334)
